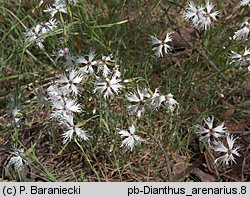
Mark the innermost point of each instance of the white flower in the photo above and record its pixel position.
(211, 132)
(156, 99)
(88, 63)
(33, 34)
(57, 6)
(14, 116)
(201, 16)
(144, 99)
(56, 93)
(169, 100)
(116, 71)
(161, 46)
(108, 87)
(243, 32)
(71, 128)
(62, 53)
(74, 78)
(229, 151)
(51, 10)
(16, 164)
(193, 13)
(139, 101)
(14, 112)
(206, 16)
(245, 2)
(102, 65)
(49, 26)
(66, 54)
(62, 108)
(131, 139)
(240, 59)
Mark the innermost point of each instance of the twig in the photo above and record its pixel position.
(166, 158)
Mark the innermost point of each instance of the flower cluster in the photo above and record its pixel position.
(97, 67)
(36, 33)
(142, 100)
(241, 59)
(99, 77)
(104, 74)
(108, 81)
(63, 99)
(63, 94)
(215, 136)
(201, 16)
